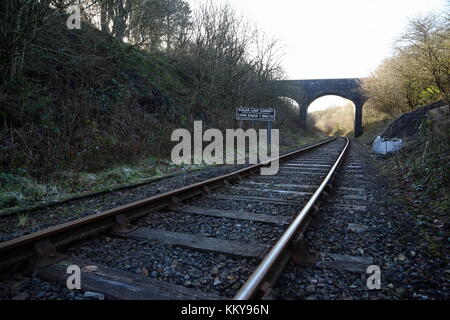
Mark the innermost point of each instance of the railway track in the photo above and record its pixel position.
(226, 237)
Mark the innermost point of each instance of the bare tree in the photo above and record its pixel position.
(419, 72)
(228, 54)
(19, 23)
(427, 42)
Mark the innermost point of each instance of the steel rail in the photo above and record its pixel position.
(75, 230)
(251, 286)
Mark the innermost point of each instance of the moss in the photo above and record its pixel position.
(33, 190)
(16, 189)
(9, 199)
(151, 171)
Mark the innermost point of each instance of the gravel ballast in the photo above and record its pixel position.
(361, 219)
(387, 232)
(10, 226)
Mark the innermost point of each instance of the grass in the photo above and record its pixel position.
(19, 191)
(14, 189)
(426, 161)
(23, 219)
(310, 139)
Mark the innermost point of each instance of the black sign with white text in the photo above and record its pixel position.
(258, 114)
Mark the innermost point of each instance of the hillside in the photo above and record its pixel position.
(422, 164)
(89, 111)
(95, 97)
(409, 124)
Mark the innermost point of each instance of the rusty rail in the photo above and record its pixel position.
(270, 262)
(24, 247)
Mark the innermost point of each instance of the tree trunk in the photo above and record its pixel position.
(7, 39)
(104, 17)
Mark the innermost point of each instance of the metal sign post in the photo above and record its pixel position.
(258, 114)
(269, 137)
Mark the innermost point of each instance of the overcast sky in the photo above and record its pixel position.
(332, 38)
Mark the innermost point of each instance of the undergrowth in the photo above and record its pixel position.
(19, 188)
(88, 110)
(426, 161)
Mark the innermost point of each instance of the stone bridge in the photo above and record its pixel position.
(304, 92)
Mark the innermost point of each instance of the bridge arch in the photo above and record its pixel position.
(306, 91)
(289, 100)
(287, 111)
(330, 114)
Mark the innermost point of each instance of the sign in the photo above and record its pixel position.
(258, 114)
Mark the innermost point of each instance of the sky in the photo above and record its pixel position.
(332, 38)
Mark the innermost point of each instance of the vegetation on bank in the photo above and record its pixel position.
(417, 74)
(21, 192)
(423, 164)
(419, 71)
(99, 101)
